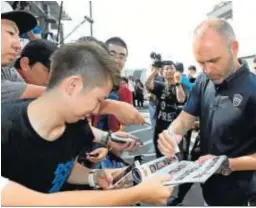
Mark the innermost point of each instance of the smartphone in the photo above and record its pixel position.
(123, 173)
(122, 140)
(118, 140)
(93, 154)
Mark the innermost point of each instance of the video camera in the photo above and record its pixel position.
(157, 60)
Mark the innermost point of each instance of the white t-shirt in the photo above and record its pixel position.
(131, 85)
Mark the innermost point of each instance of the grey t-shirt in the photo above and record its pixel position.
(12, 84)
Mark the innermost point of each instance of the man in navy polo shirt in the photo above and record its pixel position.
(224, 98)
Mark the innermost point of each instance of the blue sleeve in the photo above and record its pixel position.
(36, 30)
(193, 103)
(185, 81)
(113, 96)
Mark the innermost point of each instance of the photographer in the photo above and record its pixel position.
(152, 98)
(170, 94)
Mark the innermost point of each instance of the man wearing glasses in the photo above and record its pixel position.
(118, 49)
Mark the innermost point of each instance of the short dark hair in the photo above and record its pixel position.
(92, 39)
(37, 51)
(117, 41)
(89, 60)
(179, 67)
(125, 80)
(192, 67)
(30, 63)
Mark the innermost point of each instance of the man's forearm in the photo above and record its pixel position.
(182, 124)
(150, 81)
(16, 195)
(32, 91)
(121, 197)
(181, 97)
(243, 163)
(78, 175)
(97, 134)
(178, 128)
(108, 106)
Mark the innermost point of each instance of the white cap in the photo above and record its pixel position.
(5, 7)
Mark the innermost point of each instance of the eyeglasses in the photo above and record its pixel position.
(120, 56)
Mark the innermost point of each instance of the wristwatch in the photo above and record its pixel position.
(177, 84)
(105, 137)
(91, 181)
(225, 169)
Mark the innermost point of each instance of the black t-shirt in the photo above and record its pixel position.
(139, 89)
(227, 115)
(166, 109)
(32, 161)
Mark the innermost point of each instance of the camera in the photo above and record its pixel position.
(157, 60)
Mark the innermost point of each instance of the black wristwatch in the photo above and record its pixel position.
(225, 169)
(177, 84)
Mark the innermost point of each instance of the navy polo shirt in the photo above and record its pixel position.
(227, 115)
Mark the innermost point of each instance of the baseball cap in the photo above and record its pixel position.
(39, 50)
(25, 21)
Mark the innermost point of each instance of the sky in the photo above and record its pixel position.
(163, 26)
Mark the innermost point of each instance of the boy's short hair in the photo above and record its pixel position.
(87, 59)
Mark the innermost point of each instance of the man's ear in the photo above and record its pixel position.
(73, 85)
(235, 48)
(24, 64)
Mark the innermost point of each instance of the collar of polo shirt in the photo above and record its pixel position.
(226, 82)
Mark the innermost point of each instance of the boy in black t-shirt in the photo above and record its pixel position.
(41, 138)
(169, 94)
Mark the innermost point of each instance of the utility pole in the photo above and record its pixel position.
(60, 28)
(91, 23)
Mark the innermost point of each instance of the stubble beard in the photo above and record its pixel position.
(230, 67)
